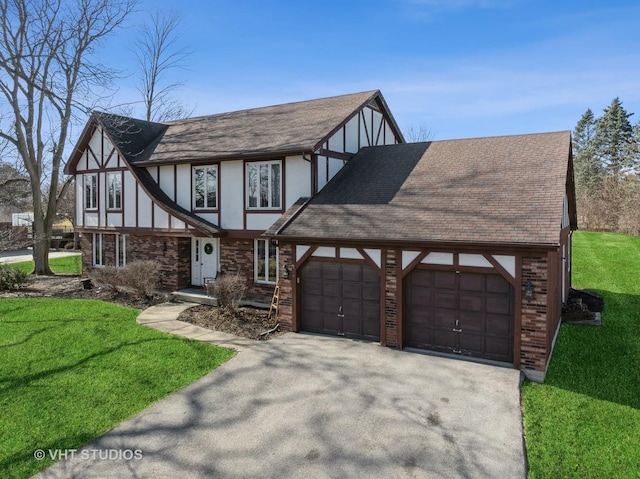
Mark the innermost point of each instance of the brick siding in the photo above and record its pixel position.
(237, 255)
(390, 302)
(172, 253)
(534, 351)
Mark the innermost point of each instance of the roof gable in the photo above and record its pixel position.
(506, 189)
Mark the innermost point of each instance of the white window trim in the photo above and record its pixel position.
(98, 259)
(258, 164)
(109, 197)
(120, 240)
(205, 168)
(266, 269)
(94, 196)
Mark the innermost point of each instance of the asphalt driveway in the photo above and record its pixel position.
(304, 406)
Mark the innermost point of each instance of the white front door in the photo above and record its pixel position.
(204, 260)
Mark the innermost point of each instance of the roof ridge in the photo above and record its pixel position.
(297, 102)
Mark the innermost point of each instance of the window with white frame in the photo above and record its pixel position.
(98, 249)
(91, 191)
(264, 184)
(122, 246)
(205, 187)
(266, 259)
(114, 191)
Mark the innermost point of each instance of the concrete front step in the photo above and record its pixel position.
(193, 295)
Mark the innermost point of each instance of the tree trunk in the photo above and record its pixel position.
(41, 243)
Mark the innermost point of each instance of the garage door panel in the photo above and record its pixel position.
(471, 302)
(371, 292)
(417, 297)
(499, 325)
(471, 282)
(314, 287)
(498, 305)
(422, 278)
(350, 305)
(481, 303)
(497, 284)
(445, 280)
(445, 300)
(497, 350)
(352, 290)
(332, 290)
(472, 344)
(444, 339)
(330, 271)
(444, 319)
(352, 272)
(312, 270)
(369, 276)
(471, 322)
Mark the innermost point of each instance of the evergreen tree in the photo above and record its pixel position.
(588, 171)
(615, 140)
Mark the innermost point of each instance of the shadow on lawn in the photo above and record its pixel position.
(602, 362)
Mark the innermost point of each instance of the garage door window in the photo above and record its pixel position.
(266, 261)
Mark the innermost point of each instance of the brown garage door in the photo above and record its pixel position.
(464, 313)
(340, 299)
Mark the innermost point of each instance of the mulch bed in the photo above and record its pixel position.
(247, 322)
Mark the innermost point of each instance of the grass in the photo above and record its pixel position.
(584, 422)
(65, 265)
(73, 369)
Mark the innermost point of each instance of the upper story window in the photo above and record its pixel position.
(205, 187)
(114, 191)
(264, 184)
(91, 191)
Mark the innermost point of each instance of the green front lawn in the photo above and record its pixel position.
(73, 369)
(66, 265)
(584, 422)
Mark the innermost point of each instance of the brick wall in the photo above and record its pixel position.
(237, 255)
(172, 253)
(285, 310)
(534, 328)
(390, 303)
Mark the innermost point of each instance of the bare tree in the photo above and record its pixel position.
(14, 187)
(157, 55)
(417, 134)
(46, 49)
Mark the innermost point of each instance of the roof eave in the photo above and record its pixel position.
(227, 157)
(409, 243)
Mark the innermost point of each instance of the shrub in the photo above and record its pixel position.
(109, 276)
(141, 276)
(12, 278)
(229, 290)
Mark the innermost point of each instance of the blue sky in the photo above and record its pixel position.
(459, 68)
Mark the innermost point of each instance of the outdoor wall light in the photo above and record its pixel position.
(528, 291)
(164, 246)
(285, 272)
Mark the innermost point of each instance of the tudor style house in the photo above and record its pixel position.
(198, 194)
(461, 247)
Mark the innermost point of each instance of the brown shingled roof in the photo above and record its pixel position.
(290, 128)
(507, 189)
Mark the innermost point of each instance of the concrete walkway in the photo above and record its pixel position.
(164, 318)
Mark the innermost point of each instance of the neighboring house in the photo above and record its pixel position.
(459, 246)
(197, 194)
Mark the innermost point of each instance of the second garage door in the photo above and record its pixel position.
(340, 299)
(460, 312)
